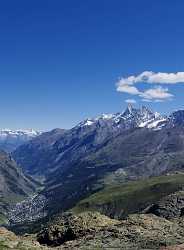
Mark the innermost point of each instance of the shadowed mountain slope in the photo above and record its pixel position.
(14, 185)
(138, 143)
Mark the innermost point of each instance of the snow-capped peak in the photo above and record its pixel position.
(131, 117)
(11, 139)
(26, 132)
(91, 121)
(150, 119)
(129, 108)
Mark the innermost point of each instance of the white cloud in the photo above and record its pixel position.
(128, 89)
(154, 78)
(157, 93)
(132, 101)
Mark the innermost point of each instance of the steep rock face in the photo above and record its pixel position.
(36, 156)
(176, 118)
(169, 207)
(12, 178)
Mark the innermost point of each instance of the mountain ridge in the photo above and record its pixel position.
(75, 162)
(140, 117)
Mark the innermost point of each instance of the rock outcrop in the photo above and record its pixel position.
(71, 227)
(94, 231)
(171, 206)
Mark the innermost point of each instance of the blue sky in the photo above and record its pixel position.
(60, 60)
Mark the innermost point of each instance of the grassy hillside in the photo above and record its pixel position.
(118, 200)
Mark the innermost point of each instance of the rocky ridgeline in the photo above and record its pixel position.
(72, 227)
(157, 229)
(93, 231)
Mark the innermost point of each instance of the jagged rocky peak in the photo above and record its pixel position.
(143, 112)
(142, 117)
(148, 112)
(131, 117)
(130, 110)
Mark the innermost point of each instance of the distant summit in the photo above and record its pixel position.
(11, 139)
(130, 118)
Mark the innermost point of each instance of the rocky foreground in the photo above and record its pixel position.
(8, 240)
(91, 230)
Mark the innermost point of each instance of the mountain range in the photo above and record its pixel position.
(11, 139)
(92, 133)
(113, 165)
(137, 143)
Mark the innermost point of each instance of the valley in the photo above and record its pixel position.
(92, 125)
(123, 171)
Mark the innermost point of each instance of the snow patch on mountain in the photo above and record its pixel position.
(28, 132)
(131, 117)
(11, 139)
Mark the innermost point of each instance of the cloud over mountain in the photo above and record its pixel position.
(133, 101)
(156, 93)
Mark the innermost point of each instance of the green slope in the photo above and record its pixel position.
(118, 200)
